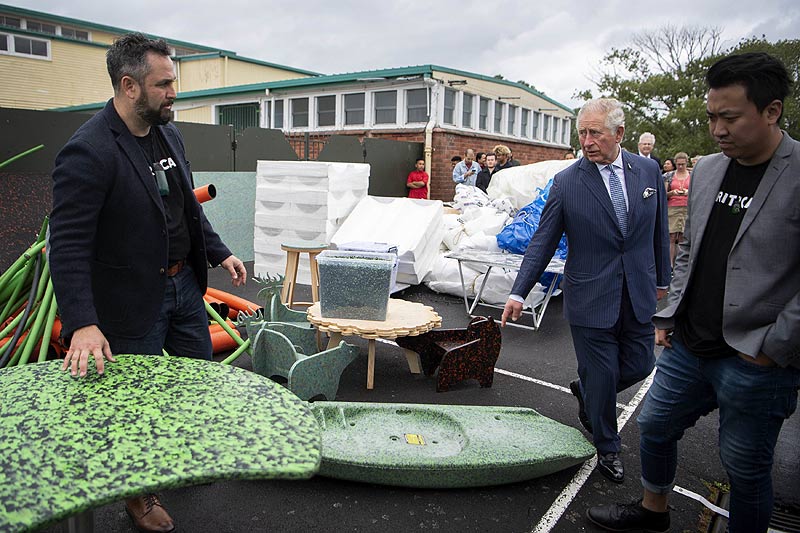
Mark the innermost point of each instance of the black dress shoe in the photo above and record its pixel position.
(575, 388)
(610, 465)
(628, 517)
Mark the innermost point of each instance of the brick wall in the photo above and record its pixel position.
(445, 145)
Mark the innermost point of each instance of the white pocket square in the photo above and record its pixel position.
(648, 192)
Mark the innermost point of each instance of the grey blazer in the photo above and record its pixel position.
(762, 280)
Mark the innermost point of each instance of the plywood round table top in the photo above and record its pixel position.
(403, 318)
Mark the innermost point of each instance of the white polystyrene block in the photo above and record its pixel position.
(295, 193)
(404, 222)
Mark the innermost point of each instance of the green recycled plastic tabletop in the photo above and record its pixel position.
(149, 423)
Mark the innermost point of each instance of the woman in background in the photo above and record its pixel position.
(677, 183)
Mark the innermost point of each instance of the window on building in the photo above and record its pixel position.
(3, 42)
(483, 116)
(299, 110)
(326, 110)
(354, 109)
(498, 116)
(41, 27)
(546, 128)
(565, 131)
(525, 119)
(385, 107)
(30, 47)
(10, 22)
(278, 115)
(512, 119)
(536, 120)
(449, 106)
(416, 105)
(72, 33)
(466, 111)
(240, 116)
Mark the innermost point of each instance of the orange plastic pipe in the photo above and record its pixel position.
(205, 193)
(220, 305)
(222, 342)
(234, 302)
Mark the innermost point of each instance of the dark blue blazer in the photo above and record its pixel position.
(598, 256)
(108, 232)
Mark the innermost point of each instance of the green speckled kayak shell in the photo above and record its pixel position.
(148, 423)
(443, 446)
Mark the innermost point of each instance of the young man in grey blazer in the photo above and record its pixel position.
(731, 329)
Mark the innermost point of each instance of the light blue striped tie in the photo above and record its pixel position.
(618, 199)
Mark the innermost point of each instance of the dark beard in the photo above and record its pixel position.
(154, 117)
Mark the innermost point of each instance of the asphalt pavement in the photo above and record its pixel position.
(534, 370)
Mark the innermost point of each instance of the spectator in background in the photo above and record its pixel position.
(481, 159)
(647, 141)
(467, 170)
(456, 159)
(695, 159)
(417, 181)
(677, 183)
(668, 166)
(485, 175)
(514, 162)
(503, 155)
(569, 155)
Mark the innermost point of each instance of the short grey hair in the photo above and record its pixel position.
(615, 116)
(647, 135)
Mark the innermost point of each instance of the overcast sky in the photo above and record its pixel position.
(553, 44)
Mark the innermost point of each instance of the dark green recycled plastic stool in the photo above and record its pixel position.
(149, 423)
(288, 352)
(443, 446)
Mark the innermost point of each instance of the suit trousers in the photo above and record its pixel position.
(181, 327)
(609, 361)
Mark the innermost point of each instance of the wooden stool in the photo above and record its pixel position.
(293, 251)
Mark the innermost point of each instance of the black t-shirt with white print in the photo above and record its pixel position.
(699, 324)
(159, 158)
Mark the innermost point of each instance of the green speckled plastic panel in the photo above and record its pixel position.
(443, 446)
(149, 423)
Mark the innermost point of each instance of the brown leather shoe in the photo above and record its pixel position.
(148, 514)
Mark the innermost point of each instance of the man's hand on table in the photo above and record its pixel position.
(87, 341)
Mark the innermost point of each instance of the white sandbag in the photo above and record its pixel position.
(444, 277)
(519, 184)
(490, 224)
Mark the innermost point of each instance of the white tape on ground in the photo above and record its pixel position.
(562, 501)
(698, 498)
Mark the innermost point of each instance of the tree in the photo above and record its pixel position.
(660, 79)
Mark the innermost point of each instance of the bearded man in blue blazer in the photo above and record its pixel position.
(612, 206)
(129, 244)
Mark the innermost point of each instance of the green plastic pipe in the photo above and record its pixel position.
(18, 282)
(23, 154)
(219, 320)
(36, 331)
(48, 329)
(245, 347)
(30, 253)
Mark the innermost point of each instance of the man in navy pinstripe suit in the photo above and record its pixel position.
(612, 206)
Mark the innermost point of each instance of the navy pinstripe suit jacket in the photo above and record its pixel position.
(598, 257)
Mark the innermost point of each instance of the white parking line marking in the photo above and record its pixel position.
(547, 384)
(562, 501)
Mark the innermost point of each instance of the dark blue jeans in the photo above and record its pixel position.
(753, 402)
(181, 327)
